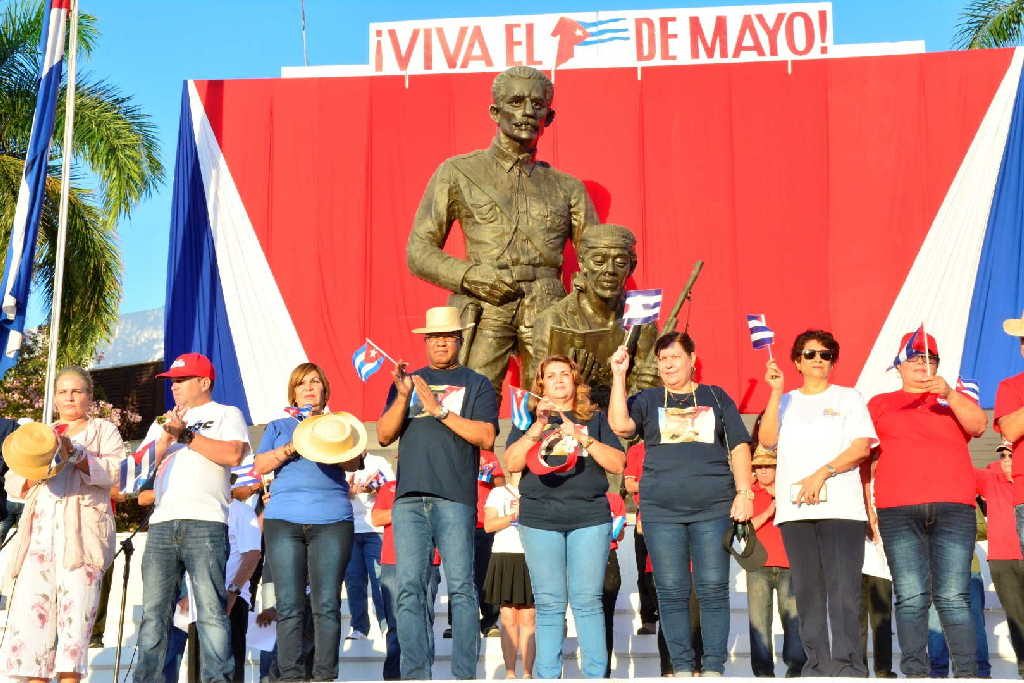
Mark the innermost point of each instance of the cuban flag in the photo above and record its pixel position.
(367, 360)
(521, 416)
(21, 250)
(969, 388)
(642, 306)
(909, 349)
(244, 475)
(137, 468)
(760, 334)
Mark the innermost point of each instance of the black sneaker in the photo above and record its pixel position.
(447, 633)
(647, 630)
(492, 632)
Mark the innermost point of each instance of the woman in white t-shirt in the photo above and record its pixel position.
(822, 433)
(508, 580)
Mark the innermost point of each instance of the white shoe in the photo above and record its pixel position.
(356, 635)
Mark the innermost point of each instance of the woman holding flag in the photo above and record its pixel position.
(65, 540)
(308, 522)
(822, 433)
(924, 492)
(564, 517)
(696, 477)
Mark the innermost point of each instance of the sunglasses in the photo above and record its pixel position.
(1005, 456)
(809, 354)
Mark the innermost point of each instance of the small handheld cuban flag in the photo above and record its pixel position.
(375, 482)
(244, 475)
(136, 469)
(968, 387)
(643, 306)
(300, 414)
(761, 335)
(367, 360)
(521, 417)
(909, 351)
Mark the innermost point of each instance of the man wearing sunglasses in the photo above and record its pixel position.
(995, 485)
(1009, 421)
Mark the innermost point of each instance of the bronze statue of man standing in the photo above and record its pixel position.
(516, 214)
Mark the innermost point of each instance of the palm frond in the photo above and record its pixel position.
(990, 23)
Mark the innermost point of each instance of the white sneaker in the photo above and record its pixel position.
(356, 635)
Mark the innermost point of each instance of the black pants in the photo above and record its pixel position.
(482, 544)
(645, 582)
(239, 619)
(1008, 576)
(876, 610)
(609, 594)
(826, 556)
(100, 625)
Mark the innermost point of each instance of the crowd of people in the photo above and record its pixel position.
(852, 506)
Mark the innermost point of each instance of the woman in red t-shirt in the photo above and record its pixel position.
(924, 495)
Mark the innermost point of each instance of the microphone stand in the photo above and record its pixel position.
(128, 548)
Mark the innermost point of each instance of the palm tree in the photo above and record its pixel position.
(990, 23)
(115, 150)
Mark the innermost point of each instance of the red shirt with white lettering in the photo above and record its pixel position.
(769, 534)
(1009, 398)
(922, 452)
(385, 501)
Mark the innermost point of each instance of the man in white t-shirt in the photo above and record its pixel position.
(195, 448)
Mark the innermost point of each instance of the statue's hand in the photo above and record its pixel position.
(486, 283)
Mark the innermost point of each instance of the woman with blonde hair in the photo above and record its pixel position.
(65, 540)
(564, 518)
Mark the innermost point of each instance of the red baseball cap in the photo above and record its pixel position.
(536, 456)
(933, 349)
(190, 365)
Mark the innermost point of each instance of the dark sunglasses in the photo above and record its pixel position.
(826, 356)
(1005, 456)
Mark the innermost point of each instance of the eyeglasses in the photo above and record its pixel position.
(1004, 455)
(823, 354)
(921, 360)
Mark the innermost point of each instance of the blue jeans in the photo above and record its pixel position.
(672, 546)
(568, 567)
(1020, 524)
(938, 653)
(389, 588)
(761, 585)
(929, 548)
(201, 549)
(420, 524)
(313, 554)
(12, 514)
(364, 569)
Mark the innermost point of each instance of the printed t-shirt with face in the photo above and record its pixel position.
(244, 535)
(490, 469)
(922, 452)
(686, 466)
(563, 501)
(375, 469)
(813, 430)
(769, 534)
(189, 486)
(500, 500)
(618, 511)
(386, 501)
(432, 459)
(1010, 398)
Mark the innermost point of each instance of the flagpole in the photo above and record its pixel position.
(62, 217)
(927, 360)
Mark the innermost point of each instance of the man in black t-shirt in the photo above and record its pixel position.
(443, 415)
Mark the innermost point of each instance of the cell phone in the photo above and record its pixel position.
(794, 490)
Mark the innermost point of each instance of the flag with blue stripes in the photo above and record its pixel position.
(244, 474)
(367, 360)
(618, 524)
(521, 416)
(137, 468)
(970, 388)
(642, 306)
(909, 351)
(760, 334)
(21, 251)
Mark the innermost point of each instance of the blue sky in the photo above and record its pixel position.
(149, 49)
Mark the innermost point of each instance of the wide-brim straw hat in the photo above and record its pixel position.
(442, 319)
(330, 439)
(29, 450)
(1014, 326)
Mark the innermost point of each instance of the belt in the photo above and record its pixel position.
(530, 273)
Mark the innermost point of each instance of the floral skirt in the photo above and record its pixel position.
(50, 609)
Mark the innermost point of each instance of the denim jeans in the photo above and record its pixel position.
(172, 548)
(389, 589)
(825, 559)
(568, 567)
(761, 585)
(672, 547)
(929, 548)
(420, 524)
(483, 542)
(364, 570)
(12, 515)
(938, 653)
(1020, 524)
(313, 554)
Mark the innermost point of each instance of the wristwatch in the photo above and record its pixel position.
(443, 415)
(587, 440)
(746, 493)
(234, 588)
(186, 437)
